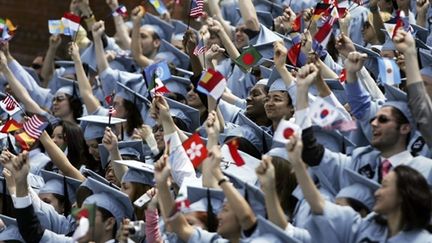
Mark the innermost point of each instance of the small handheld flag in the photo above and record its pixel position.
(249, 58)
(233, 149)
(159, 6)
(285, 131)
(213, 83)
(200, 48)
(35, 126)
(9, 105)
(197, 8)
(323, 113)
(389, 72)
(195, 149)
(10, 126)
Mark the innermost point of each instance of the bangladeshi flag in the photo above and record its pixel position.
(249, 58)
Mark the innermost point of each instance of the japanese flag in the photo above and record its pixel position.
(285, 131)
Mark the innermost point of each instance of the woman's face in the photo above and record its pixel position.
(118, 105)
(60, 105)
(129, 189)
(50, 199)
(368, 32)
(110, 176)
(193, 99)
(387, 196)
(277, 105)
(58, 137)
(228, 224)
(159, 136)
(93, 147)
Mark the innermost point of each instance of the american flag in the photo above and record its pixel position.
(200, 48)
(197, 8)
(35, 126)
(10, 102)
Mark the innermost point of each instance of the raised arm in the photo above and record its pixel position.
(310, 192)
(227, 43)
(98, 31)
(212, 129)
(189, 43)
(137, 14)
(248, 13)
(216, 12)
(246, 217)
(86, 92)
(377, 22)
(59, 158)
(18, 89)
(123, 39)
(280, 54)
(48, 63)
(110, 142)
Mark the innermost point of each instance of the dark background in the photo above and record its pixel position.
(31, 17)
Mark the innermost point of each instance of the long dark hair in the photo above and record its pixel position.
(286, 182)
(77, 148)
(75, 105)
(416, 198)
(133, 116)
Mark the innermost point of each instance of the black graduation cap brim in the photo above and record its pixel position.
(101, 119)
(369, 52)
(133, 92)
(422, 45)
(135, 144)
(425, 57)
(99, 178)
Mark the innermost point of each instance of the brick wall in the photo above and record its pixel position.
(32, 17)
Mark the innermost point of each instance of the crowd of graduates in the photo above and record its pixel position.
(264, 121)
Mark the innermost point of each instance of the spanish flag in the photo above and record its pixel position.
(10, 126)
(24, 140)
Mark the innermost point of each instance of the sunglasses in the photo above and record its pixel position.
(157, 128)
(381, 119)
(36, 66)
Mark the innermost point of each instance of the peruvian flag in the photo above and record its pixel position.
(285, 131)
(195, 149)
(73, 21)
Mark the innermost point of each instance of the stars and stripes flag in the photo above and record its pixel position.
(197, 8)
(35, 126)
(200, 48)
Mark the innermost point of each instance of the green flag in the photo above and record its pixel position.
(249, 58)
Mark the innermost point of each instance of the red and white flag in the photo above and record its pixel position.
(213, 83)
(73, 21)
(35, 126)
(323, 113)
(195, 149)
(9, 105)
(285, 131)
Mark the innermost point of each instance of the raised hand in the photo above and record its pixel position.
(307, 75)
(280, 54)
(113, 4)
(266, 173)
(306, 42)
(74, 51)
(344, 45)
(54, 41)
(214, 25)
(6, 157)
(215, 157)
(142, 133)
(109, 140)
(354, 61)
(212, 52)
(295, 148)
(19, 167)
(162, 170)
(189, 42)
(404, 42)
(137, 14)
(98, 29)
(212, 125)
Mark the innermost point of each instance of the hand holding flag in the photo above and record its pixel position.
(285, 131)
(195, 149)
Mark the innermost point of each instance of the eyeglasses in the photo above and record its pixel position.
(36, 66)
(381, 119)
(157, 128)
(58, 98)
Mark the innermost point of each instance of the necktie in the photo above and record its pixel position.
(385, 168)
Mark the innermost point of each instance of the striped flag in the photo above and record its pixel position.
(197, 9)
(10, 126)
(200, 48)
(10, 105)
(24, 140)
(72, 21)
(212, 82)
(35, 126)
(388, 71)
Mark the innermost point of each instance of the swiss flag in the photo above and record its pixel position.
(195, 149)
(285, 131)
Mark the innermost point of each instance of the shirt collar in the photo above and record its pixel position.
(399, 159)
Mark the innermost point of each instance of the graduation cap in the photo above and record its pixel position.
(425, 58)
(255, 197)
(88, 56)
(268, 232)
(331, 139)
(66, 67)
(420, 32)
(55, 183)
(338, 90)
(66, 86)
(32, 73)
(190, 116)
(251, 132)
(95, 125)
(264, 17)
(163, 29)
(110, 199)
(134, 149)
(421, 44)
(123, 63)
(91, 174)
(369, 52)
(10, 232)
(130, 91)
(280, 152)
(184, 72)
(200, 197)
(265, 72)
(180, 29)
(171, 54)
(178, 85)
(138, 172)
(275, 82)
(360, 188)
